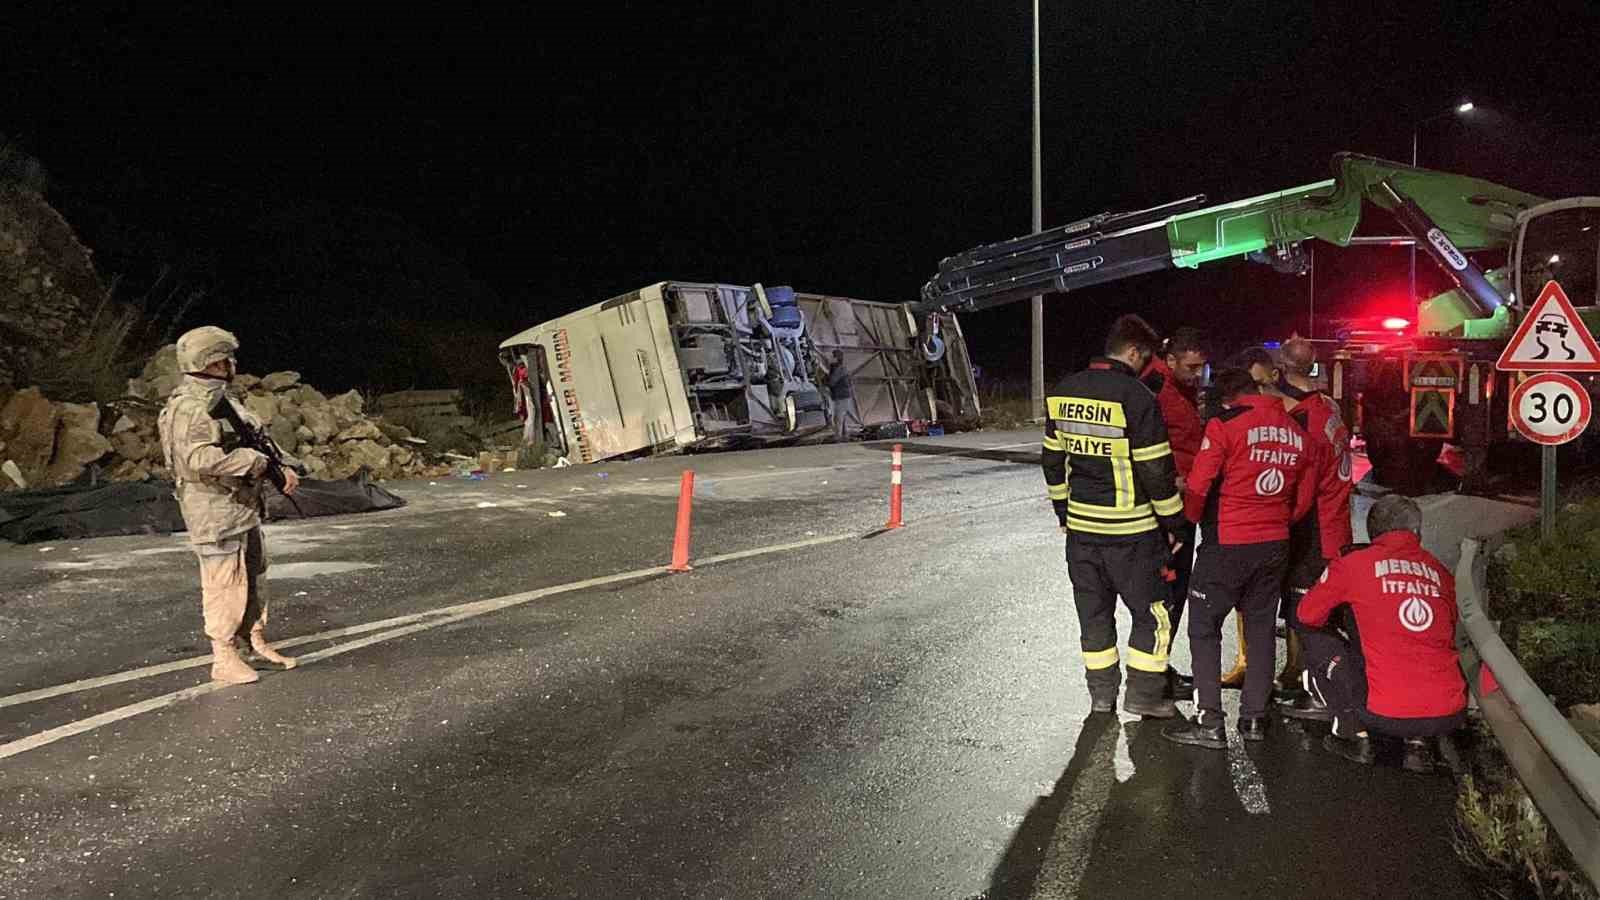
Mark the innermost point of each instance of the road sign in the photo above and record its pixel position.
(1434, 380)
(1550, 408)
(1551, 338)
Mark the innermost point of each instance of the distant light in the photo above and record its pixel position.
(1395, 323)
(1272, 345)
(1555, 258)
(1465, 107)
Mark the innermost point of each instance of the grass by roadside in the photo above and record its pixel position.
(1503, 837)
(1545, 593)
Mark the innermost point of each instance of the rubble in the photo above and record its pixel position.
(45, 443)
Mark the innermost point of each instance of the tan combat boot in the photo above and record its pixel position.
(258, 643)
(1235, 678)
(1289, 678)
(228, 667)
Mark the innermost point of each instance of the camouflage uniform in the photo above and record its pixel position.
(219, 493)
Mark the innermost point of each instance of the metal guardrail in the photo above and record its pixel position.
(1560, 771)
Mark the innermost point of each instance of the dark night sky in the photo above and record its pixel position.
(464, 172)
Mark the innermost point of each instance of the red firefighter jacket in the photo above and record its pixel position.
(1180, 410)
(1318, 414)
(1404, 602)
(1250, 478)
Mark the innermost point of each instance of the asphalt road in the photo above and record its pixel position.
(505, 695)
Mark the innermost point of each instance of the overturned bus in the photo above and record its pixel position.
(678, 365)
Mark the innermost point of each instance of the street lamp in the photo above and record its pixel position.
(1037, 306)
(1460, 109)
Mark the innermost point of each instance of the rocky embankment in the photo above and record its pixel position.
(45, 443)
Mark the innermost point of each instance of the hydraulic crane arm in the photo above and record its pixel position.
(1449, 215)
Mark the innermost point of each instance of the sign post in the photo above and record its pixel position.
(1547, 490)
(1550, 408)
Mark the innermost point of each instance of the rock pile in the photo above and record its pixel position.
(49, 443)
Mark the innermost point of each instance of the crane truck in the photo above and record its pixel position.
(1405, 394)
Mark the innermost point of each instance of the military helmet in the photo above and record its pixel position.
(200, 347)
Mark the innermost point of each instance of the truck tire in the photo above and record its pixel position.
(1402, 463)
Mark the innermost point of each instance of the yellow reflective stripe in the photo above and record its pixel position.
(1137, 526)
(1084, 409)
(1108, 512)
(1154, 451)
(1168, 507)
(1163, 630)
(1079, 445)
(1122, 476)
(1100, 659)
(1052, 442)
(1058, 491)
(1146, 662)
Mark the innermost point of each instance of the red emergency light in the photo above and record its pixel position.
(1395, 323)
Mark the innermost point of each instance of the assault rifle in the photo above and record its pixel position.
(257, 439)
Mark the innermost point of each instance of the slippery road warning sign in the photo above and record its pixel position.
(1550, 408)
(1551, 338)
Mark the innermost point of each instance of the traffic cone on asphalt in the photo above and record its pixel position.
(228, 666)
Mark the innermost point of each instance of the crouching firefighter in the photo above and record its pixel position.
(1379, 632)
(1109, 471)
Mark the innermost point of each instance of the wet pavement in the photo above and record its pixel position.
(507, 701)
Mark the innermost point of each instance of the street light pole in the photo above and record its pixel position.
(1415, 132)
(1038, 225)
(1460, 109)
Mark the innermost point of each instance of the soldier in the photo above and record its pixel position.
(219, 493)
(1109, 473)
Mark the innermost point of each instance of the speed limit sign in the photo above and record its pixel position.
(1550, 408)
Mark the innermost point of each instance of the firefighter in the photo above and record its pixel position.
(1248, 483)
(1324, 533)
(1174, 376)
(1264, 371)
(1388, 664)
(1109, 472)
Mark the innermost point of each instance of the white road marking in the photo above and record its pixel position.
(387, 629)
(403, 625)
(34, 741)
(1071, 845)
(436, 618)
(1247, 781)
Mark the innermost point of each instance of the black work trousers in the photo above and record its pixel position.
(1246, 577)
(1182, 565)
(1339, 679)
(1305, 565)
(1102, 569)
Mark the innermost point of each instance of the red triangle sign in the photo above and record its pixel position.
(1551, 338)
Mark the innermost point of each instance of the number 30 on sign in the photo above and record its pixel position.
(1550, 408)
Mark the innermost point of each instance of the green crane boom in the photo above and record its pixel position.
(1447, 215)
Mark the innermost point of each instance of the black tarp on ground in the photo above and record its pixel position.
(90, 509)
